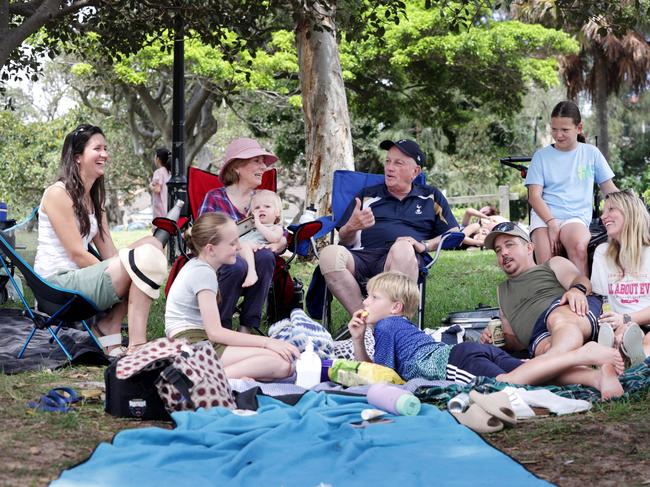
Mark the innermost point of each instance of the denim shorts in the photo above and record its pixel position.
(94, 282)
(540, 330)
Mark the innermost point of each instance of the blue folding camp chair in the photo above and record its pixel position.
(345, 186)
(57, 307)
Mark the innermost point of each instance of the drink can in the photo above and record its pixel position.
(459, 403)
(606, 306)
(496, 330)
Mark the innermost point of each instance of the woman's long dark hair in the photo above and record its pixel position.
(74, 145)
(568, 109)
(165, 157)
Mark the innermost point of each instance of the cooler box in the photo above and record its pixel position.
(473, 321)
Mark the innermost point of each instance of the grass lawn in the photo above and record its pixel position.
(610, 445)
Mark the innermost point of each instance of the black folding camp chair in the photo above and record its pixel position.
(57, 307)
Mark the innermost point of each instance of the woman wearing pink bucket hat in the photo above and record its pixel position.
(244, 164)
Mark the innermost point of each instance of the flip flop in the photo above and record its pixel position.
(497, 404)
(632, 345)
(56, 400)
(606, 335)
(65, 394)
(476, 419)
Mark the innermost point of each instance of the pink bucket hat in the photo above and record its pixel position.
(244, 148)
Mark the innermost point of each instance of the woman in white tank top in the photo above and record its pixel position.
(71, 215)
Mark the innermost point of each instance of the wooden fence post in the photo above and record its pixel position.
(504, 202)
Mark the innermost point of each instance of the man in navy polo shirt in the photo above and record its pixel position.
(389, 226)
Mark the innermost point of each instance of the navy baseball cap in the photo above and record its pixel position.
(408, 147)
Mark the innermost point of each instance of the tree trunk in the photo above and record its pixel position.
(328, 138)
(600, 101)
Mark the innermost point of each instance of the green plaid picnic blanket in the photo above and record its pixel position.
(635, 381)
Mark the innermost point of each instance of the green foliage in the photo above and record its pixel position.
(434, 77)
(29, 157)
(633, 145)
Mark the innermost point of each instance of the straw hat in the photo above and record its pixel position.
(244, 148)
(147, 267)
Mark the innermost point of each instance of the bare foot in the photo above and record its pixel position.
(608, 384)
(251, 278)
(592, 353)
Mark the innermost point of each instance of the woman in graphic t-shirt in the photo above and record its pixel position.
(621, 271)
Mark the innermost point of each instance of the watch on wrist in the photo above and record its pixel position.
(426, 247)
(580, 287)
(627, 318)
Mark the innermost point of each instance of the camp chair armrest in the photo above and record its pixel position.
(448, 240)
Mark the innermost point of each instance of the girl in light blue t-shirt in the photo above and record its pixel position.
(560, 185)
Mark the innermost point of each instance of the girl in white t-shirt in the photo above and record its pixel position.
(621, 271)
(192, 312)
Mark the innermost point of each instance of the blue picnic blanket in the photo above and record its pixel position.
(309, 444)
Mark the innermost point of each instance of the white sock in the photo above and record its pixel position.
(551, 401)
(518, 405)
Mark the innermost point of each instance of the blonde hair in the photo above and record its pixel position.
(263, 193)
(206, 230)
(399, 288)
(627, 251)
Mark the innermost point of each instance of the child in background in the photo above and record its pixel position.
(192, 312)
(560, 183)
(400, 345)
(159, 181)
(266, 208)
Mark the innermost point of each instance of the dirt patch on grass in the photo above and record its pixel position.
(37, 446)
(608, 446)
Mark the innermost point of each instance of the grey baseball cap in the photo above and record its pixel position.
(505, 228)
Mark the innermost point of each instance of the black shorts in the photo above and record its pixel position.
(468, 360)
(370, 262)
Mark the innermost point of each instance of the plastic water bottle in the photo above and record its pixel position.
(174, 214)
(308, 367)
(393, 399)
(308, 216)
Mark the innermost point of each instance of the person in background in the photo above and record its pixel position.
(192, 313)
(621, 271)
(475, 233)
(560, 183)
(158, 184)
(244, 164)
(72, 215)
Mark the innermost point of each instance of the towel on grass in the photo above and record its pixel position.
(635, 381)
(308, 444)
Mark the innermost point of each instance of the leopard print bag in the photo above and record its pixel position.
(191, 374)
